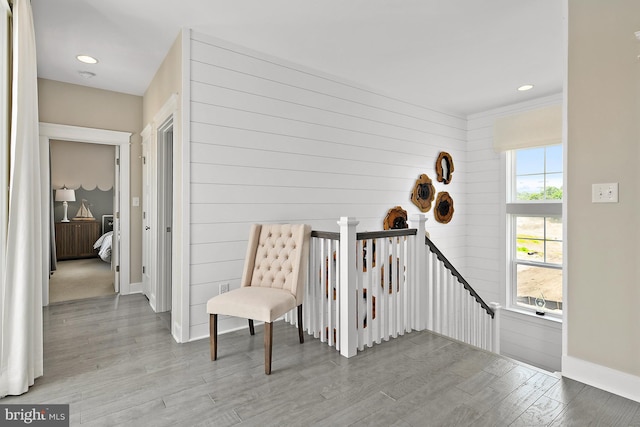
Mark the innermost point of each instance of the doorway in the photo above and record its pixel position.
(158, 214)
(84, 258)
(165, 214)
(121, 239)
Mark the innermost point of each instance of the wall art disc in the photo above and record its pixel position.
(396, 219)
(444, 167)
(443, 210)
(423, 193)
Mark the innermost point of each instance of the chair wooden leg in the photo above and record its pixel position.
(300, 328)
(251, 330)
(213, 335)
(268, 340)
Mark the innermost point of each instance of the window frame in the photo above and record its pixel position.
(535, 208)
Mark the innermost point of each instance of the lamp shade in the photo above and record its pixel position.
(65, 195)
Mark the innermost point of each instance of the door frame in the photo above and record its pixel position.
(154, 276)
(161, 298)
(177, 107)
(51, 131)
(165, 211)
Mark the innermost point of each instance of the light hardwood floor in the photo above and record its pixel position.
(113, 360)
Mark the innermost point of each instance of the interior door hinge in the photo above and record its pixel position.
(117, 215)
(118, 162)
(144, 160)
(117, 269)
(143, 269)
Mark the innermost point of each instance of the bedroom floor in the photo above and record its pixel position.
(79, 279)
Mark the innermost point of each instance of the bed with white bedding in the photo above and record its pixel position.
(103, 244)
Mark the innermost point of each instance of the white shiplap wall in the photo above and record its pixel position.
(272, 141)
(532, 340)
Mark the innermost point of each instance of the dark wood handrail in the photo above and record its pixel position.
(331, 235)
(458, 276)
(325, 235)
(366, 235)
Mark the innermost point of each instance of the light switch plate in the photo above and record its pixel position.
(604, 193)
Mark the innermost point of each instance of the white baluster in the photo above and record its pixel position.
(476, 324)
(404, 289)
(378, 292)
(308, 295)
(446, 286)
(324, 307)
(467, 317)
(338, 284)
(370, 283)
(360, 305)
(457, 310)
(384, 295)
(393, 288)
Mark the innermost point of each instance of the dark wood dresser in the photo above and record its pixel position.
(75, 239)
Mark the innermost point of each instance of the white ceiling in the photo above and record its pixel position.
(459, 56)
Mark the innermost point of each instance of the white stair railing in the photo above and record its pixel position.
(455, 309)
(365, 288)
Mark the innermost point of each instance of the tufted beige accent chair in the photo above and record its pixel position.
(272, 283)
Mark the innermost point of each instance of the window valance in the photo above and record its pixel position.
(533, 128)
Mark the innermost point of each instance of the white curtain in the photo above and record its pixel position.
(5, 119)
(21, 305)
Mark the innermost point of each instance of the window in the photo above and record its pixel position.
(534, 210)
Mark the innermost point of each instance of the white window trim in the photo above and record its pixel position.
(512, 210)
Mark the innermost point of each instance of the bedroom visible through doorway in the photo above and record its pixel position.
(82, 254)
(121, 238)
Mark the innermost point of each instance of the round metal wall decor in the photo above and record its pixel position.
(443, 210)
(396, 219)
(423, 193)
(444, 167)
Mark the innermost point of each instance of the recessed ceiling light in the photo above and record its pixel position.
(525, 88)
(87, 59)
(87, 74)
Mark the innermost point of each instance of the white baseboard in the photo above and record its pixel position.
(176, 331)
(617, 382)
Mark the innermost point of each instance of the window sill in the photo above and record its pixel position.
(532, 315)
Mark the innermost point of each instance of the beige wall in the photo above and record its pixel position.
(604, 146)
(167, 81)
(68, 104)
(74, 164)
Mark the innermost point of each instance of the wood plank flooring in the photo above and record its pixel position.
(113, 360)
